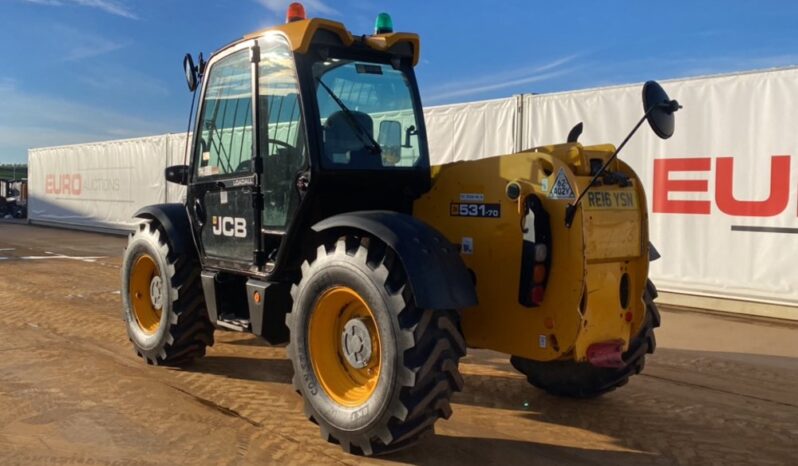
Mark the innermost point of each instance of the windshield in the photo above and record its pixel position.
(367, 115)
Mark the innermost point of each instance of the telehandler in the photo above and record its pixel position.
(313, 218)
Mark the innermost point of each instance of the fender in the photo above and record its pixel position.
(435, 272)
(174, 219)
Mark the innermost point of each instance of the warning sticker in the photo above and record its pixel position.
(467, 246)
(472, 197)
(562, 188)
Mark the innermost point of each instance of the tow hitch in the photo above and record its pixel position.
(606, 354)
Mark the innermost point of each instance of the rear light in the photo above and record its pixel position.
(535, 254)
(540, 274)
(537, 295)
(541, 251)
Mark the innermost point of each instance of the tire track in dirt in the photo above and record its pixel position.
(72, 392)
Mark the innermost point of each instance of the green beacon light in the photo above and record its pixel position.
(384, 24)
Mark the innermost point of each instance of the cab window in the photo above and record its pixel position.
(282, 131)
(368, 117)
(225, 143)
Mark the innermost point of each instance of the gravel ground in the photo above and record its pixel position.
(718, 390)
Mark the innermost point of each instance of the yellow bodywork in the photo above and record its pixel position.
(582, 303)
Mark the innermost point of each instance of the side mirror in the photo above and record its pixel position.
(191, 72)
(659, 109)
(390, 133)
(177, 174)
(390, 140)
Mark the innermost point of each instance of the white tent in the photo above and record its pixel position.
(722, 191)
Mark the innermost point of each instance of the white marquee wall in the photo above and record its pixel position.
(739, 120)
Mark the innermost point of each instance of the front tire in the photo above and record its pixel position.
(163, 305)
(375, 371)
(583, 380)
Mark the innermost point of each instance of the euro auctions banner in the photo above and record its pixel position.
(98, 185)
(722, 192)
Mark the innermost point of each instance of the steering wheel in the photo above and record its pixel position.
(246, 164)
(280, 143)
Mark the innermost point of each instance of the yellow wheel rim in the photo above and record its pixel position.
(146, 293)
(344, 346)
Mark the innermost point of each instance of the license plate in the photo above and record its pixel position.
(610, 200)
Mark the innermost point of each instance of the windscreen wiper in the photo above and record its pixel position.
(364, 135)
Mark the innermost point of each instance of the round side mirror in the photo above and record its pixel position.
(191, 72)
(659, 109)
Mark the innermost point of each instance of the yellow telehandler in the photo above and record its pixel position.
(313, 218)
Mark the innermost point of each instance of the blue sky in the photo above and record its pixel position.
(85, 70)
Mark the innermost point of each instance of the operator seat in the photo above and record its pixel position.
(344, 146)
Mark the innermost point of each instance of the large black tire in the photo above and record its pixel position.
(583, 380)
(182, 331)
(420, 350)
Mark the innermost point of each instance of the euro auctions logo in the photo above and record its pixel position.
(76, 184)
(667, 187)
(71, 184)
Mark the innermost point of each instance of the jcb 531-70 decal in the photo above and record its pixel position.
(460, 209)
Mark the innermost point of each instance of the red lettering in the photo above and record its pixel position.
(63, 184)
(664, 185)
(773, 205)
(66, 185)
(77, 185)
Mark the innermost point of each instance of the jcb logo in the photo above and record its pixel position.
(229, 226)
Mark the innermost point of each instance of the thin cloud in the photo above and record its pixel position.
(715, 65)
(109, 6)
(105, 77)
(7, 84)
(99, 47)
(39, 120)
(496, 81)
(76, 44)
(623, 72)
(312, 7)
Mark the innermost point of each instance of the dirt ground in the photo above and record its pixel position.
(718, 390)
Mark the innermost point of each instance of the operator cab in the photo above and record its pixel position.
(339, 129)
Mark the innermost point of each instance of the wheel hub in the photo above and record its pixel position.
(344, 346)
(156, 292)
(356, 343)
(146, 293)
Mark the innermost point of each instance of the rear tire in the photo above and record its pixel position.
(163, 305)
(583, 380)
(418, 350)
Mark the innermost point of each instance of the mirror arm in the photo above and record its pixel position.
(570, 210)
(410, 131)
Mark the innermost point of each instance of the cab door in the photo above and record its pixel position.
(221, 192)
(282, 143)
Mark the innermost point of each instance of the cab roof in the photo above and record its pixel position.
(300, 35)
